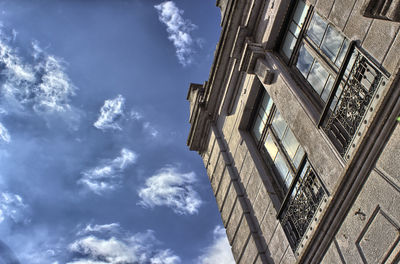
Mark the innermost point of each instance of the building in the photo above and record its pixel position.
(297, 129)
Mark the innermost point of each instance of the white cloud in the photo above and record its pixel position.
(165, 256)
(111, 250)
(12, 207)
(170, 188)
(219, 251)
(113, 113)
(107, 228)
(178, 29)
(110, 113)
(85, 261)
(137, 248)
(4, 135)
(54, 88)
(108, 175)
(41, 84)
(151, 130)
(135, 115)
(40, 245)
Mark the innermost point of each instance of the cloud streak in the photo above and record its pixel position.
(110, 113)
(107, 228)
(4, 135)
(173, 189)
(108, 176)
(219, 251)
(178, 30)
(137, 248)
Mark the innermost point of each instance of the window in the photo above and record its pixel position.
(315, 50)
(277, 142)
(337, 77)
(299, 183)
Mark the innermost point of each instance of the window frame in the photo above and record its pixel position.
(318, 55)
(268, 129)
(295, 226)
(345, 66)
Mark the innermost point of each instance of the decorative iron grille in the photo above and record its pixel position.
(358, 91)
(305, 197)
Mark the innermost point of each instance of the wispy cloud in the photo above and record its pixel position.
(108, 175)
(124, 248)
(4, 135)
(54, 87)
(40, 84)
(149, 129)
(113, 115)
(107, 228)
(110, 113)
(173, 189)
(135, 115)
(178, 30)
(12, 207)
(219, 251)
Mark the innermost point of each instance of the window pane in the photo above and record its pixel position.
(281, 166)
(351, 63)
(300, 13)
(294, 29)
(317, 29)
(290, 143)
(342, 53)
(332, 42)
(289, 179)
(279, 124)
(336, 98)
(317, 77)
(298, 157)
(267, 103)
(271, 147)
(263, 115)
(328, 88)
(288, 44)
(258, 128)
(305, 168)
(304, 61)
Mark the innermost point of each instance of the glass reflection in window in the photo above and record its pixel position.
(295, 27)
(279, 124)
(317, 29)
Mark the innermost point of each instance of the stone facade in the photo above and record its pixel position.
(340, 204)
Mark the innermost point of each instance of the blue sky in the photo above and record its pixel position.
(94, 166)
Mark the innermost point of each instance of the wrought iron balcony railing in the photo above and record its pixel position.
(301, 204)
(359, 86)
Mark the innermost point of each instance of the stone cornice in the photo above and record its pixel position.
(199, 117)
(230, 46)
(205, 100)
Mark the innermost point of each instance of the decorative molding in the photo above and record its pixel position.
(199, 117)
(240, 37)
(222, 4)
(252, 52)
(383, 9)
(264, 71)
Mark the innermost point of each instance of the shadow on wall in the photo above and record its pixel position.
(6, 255)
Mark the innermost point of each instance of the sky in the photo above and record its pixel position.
(94, 166)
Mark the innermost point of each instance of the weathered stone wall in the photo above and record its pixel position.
(378, 37)
(246, 193)
(370, 232)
